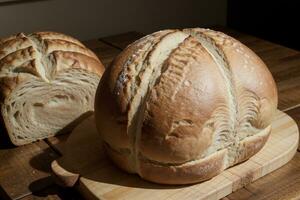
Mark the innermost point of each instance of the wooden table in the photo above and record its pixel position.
(25, 171)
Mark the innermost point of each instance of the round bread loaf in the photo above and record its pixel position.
(47, 81)
(179, 107)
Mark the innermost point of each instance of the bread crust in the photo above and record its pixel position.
(20, 53)
(187, 106)
(191, 171)
(113, 95)
(251, 145)
(202, 169)
(204, 113)
(187, 173)
(121, 158)
(249, 72)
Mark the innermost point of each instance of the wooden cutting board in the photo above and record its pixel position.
(84, 163)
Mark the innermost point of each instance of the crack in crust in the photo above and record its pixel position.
(245, 105)
(129, 79)
(149, 73)
(34, 54)
(225, 116)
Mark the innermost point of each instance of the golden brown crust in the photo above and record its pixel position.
(251, 145)
(61, 45)
(187, 173)
(65, 60)
(112, 93)
(19, 59)
(32, 54)
(124, 70)
(12, 37)
(189, 73)
(12, 45)
(56, 36)
(113, 130)
(191, 172)
(122, 159)
(199, 102)
(248, 72)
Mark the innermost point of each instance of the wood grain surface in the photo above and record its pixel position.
(25, 169)
(105, 52)
(84, 160)
(54, 192)
(283, 183)
(295, 114)
(284, 63)
(121, 41)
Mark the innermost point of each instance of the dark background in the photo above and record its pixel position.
(277, 21)
(90, 19)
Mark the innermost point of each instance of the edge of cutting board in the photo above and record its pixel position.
(85, 166)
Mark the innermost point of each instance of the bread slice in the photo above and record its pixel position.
(47, 81)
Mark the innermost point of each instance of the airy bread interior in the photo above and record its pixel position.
(36, 109)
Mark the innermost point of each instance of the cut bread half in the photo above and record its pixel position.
(47, 82)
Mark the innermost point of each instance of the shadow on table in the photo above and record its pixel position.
(84, 156)
(14, 2)
(53, 190)
(42, 161)
(3, 194)
(5, 142)
(110, 174)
